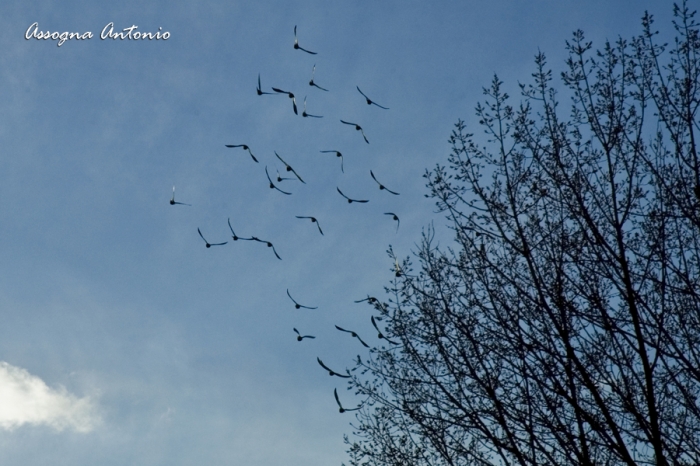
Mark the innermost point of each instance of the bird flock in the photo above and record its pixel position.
(293, 175)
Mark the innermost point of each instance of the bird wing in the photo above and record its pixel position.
(297, 175)
(307, 51)
(363, 135)
(363, 343)
(251, 154)
(363, 94)
(283, 192)
(337, 400)
(278, 156)
(275, 251)
(290, 297)
(323, 365)
(200, 234)
(375, 325)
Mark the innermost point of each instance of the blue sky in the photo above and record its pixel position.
(124, 339)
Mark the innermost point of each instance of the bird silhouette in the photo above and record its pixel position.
(354, 334)
(245, 147)
(296, 43)
(236, 237)
(296, 304)
(304, 114)
(369, 101)
(350, 201)
(357, 128)
(376, 302)
(300, 336)
(331, 371)
(207, 242)
(337, 154)
(397, 268)
(291, 96)
(381, 186)
(259, 90)
(395, 217)
(380, 335)
(313, 220)
(269, 245)
(289, 168)
(173, 202)
(280, 178)
(272, 185)
(312, 83)
(369, 299)
(340, 406)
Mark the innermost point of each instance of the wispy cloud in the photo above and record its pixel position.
(26, 399)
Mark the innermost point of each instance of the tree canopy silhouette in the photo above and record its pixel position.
(563, 325)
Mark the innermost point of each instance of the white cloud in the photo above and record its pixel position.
(26, 399)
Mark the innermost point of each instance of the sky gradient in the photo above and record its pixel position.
(124, 339)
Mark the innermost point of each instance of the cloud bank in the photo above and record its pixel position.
(26, 399)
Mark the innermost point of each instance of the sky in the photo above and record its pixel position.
(124, 340)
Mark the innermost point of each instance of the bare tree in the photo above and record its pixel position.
(563, 326)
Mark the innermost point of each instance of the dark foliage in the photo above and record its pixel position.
(563, 326)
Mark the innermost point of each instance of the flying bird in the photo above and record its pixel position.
(380, 335)
(173, 202)
(269, 245)
(330, 371)
(350, 201)
(304, 114)
(300, 336)
(369, 101)
(354, 334)
(289, 168)
(280, 178)
(369, 299)
(337, 154)
(340, 407)
(296, 43)
(312, 83)
(207, 242)
(260, 91)
(375, 301)
(272, 185)
(357, 128)
(381, 186)
(245, 147)
(291, 96)
(396, 218)
(313, 220)
(296, 304)
(236, 237)
(397, 268)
